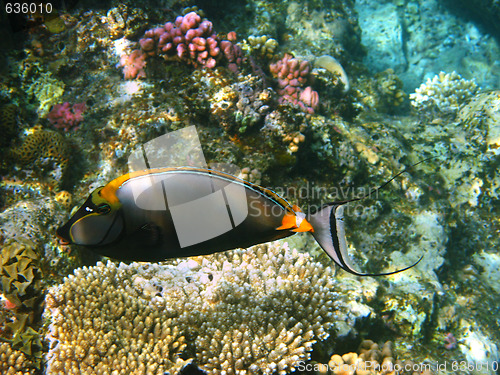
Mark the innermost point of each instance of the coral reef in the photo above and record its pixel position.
(292, 77)
(64, 198)
(332, 65)
(369, 359)
(383, 92)
(444, 209)
(44, 151)
(8, 124)
(486, 12)
(481, 118)
(133, 64)
(19, 272)
(189, 39)
(243, 311)
(14, 362)
(434, 39)
(445, 92)
(262, 46)
(46, 90)
(242, 106)
(253, 175)
(315, 29)
(31, 220)
(66, 116)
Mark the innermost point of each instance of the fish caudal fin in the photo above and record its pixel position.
(329, 232)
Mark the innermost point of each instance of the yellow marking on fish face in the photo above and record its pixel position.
(79, 221)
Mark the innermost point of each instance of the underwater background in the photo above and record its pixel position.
(318, 100)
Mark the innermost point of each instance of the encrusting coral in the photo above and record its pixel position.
(41, 150)
(250, 311)
(8, 124)
(67, 116)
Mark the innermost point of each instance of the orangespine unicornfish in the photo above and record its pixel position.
(163, 213)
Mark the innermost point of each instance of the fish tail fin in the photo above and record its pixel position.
(329, 232)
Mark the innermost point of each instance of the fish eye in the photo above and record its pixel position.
(103, 209)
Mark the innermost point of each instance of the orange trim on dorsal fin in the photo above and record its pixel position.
(289, 221)
(304, 226)
(296, 208)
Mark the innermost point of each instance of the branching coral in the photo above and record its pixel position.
(262, 46)
(292, 77)
(188, 39)
(240, 312)
(14, 362)
(444, 92)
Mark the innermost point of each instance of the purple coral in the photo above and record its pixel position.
(189, 39)
(66, 116)
(292, 75)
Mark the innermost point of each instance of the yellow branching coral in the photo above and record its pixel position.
(263, 46)
(14, 362)
(241, 312)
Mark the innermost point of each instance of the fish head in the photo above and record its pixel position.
(97, 222)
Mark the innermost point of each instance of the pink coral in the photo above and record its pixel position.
(232, 52)
(189, 39)
(133, 64)
(292, 75)
(66, 116)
